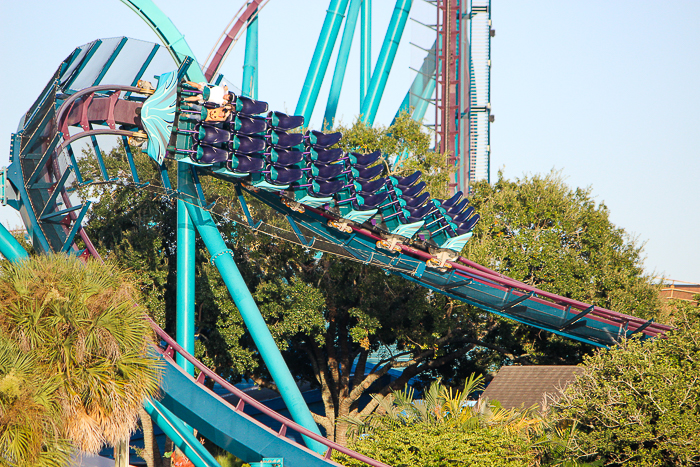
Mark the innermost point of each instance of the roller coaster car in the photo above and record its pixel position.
(454, 200)
(206, 154)
(242, 144)
(283, 140)
(283, 175)
(372, 186)
(367, 174)
(319, 140)
(364, 201)
(327, 171)
(284, 157)
(417, 201)
(245, 164)
(283, 121)
(246, 125)
(468, 225)
(325, 156)
(411, 191)
(405, 182)
(364, 160)
(209, 134)
(247, 106)
(462, 217)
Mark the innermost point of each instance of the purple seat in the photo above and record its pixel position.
(368, 173)
(242, 144)
(283, 121)
(372, 186)
(319, 140)
(370, 200)
(468, 226)
(244, 125)
(326, 171)
(452, 201)
(325, 156)
(210, 155)
(457, 208)
(248, 106)
(283, 175)
(420, 210)
(211, 135)
(246, 164)
(412, 190)
(462, 217)
(364, 160)
(285, 157)
(283, 140)
(324, 188)
(405, 182)
(416, 201)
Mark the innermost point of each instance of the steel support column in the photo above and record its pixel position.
(365, 48)
(341, 63)
(385, 61)
(185, 276)
(320, 59)
(222, 258)
(249, 87)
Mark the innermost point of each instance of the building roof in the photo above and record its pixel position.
(525, 386)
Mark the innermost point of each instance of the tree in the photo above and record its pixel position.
(83, 324)
(30, 412)
(639, 402)
(328, 314)
(538, 230)
(442, 429)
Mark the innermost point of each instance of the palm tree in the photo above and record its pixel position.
(30, 421)
(82, 321)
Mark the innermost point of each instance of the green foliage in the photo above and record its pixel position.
(30, 412)
(81, 322)
(540, 231)
(441, 445)
(639, 403)
(441, 429)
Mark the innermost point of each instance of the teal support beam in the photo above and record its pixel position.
(222, 258)
(386, 59)
(10, 248)
(341, 63)
(320, 59)
(249, 88)
(185, 276)
(365, 48)
(180, 434)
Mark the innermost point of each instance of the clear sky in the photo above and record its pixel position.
(605, 91)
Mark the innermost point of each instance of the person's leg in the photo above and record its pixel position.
(194, 85)
(197, 99)
(197, 117)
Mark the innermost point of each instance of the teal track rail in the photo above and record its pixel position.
(227, 425)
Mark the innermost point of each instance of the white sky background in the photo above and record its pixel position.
(605, 91)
